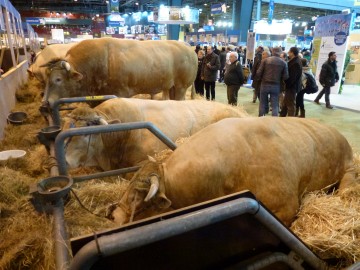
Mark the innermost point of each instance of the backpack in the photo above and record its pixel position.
(310, 86)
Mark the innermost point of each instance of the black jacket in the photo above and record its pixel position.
(328, 74)
(234, 74)
(295, 72)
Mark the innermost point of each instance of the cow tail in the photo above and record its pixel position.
(193, 91)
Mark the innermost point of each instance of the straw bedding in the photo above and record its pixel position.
(328, 224)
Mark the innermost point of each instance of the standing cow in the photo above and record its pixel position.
(126, 148)
(49, 53)
(276, 159)
(110, 66)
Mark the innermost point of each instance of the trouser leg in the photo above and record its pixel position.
(212, 88)
(207, 90)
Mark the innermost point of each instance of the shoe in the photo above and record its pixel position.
(329, 107)
(317, 102)
(254, 100)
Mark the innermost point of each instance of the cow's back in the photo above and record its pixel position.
(174, 118)
(276, 158)
(129, 67)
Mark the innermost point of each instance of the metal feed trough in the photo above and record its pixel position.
(232, 232)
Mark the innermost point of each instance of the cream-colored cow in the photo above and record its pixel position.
(111, 66)
(278, 159)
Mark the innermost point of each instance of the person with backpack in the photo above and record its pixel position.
(328, 77)
(308, 87)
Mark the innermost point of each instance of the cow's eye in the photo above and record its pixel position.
(58, 80)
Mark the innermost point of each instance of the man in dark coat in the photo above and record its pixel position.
(222, 64)
(328, 77)
(210, 67)
(293, 83)
(255, 67)
(233, 78)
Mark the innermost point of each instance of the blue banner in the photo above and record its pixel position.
(271, 11)
(114, 5)
(35, 21)
(218, 8)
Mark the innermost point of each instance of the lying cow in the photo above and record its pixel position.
(276, 159)
(111, 66)
(123, 149)
(49, 53)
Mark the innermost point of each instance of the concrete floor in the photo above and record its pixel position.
(347, 121)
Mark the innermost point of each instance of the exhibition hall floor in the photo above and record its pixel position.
(345, 117)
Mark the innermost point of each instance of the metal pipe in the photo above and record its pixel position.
(57, 103)
(62, 136)
(62, 256)
(355, 266)
(288, 238)
(271, 259)
(82, 178)
(118, 242)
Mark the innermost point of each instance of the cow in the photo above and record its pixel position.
(127, 148)
(49, 53)
(277, 159)
(110, 66)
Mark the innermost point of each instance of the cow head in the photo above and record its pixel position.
(144, 197)
(61, 80)
(87, 150)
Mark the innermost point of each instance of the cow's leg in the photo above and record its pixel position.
(166, 94)
(349, 178)
(172, 93)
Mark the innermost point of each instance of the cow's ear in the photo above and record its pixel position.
(76, 75)
(162, 201)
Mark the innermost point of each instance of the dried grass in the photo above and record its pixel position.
(330, 224)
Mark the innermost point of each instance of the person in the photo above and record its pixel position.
(199, 82)
(300, 96)
(293, 83)
(32, 57)
(265, 54)
(284, 57)
(233, 78)
(328, 77)
(271, 72)
(197, 48)
(222, 64)
(210, 66)
(257, 61)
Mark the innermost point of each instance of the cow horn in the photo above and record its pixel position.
(102, 121)
(65, 65)
(154, 179)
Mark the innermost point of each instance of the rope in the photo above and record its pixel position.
(83, 206)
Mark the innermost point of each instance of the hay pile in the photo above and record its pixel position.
(329, 224)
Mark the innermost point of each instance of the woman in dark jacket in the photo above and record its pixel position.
(199, 82)
(233, 78)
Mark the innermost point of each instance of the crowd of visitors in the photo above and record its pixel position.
(279, 78)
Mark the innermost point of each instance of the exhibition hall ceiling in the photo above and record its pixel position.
(296, 10)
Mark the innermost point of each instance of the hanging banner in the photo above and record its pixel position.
(114, 5)
(271, 11)
(218, 8)
(331, 35)
(176, 15)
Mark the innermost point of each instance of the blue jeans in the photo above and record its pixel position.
(265, 91)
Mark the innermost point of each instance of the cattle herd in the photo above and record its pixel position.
(224, 156)
(227, 151)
